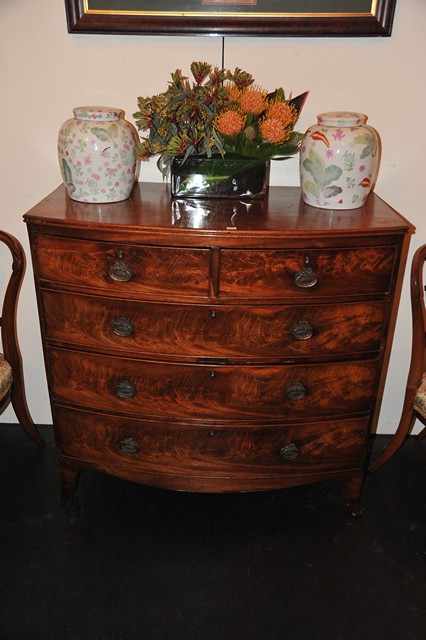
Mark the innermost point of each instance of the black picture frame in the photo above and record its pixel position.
(240, 18)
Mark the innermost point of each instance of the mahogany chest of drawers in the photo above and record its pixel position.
(215, 345)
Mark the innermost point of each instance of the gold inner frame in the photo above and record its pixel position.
(230, 14)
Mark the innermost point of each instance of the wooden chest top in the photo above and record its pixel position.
(282, 215)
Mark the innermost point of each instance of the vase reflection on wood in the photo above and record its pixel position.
(217, 177)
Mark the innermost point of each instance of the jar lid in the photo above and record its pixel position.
(341, 118)
(98, 114)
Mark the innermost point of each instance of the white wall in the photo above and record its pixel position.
(44, 72)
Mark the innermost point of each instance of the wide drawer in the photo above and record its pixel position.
(180, 391)
(128, 269)
(214, 330)
(114, 442)
(330, 272)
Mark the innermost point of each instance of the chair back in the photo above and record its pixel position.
(9, 336)
(418, 308)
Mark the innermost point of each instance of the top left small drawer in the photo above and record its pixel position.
(136, 270)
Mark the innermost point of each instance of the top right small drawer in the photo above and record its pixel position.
(344, 272)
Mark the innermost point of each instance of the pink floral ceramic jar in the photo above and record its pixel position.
(339, 161)
(97, 155)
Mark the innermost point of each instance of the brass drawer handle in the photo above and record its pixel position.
(122, 327)
(119, 271)
(128, 445)
(289, 452)
(296, 391)
(302, 330)
(306, 278)
(125, 390)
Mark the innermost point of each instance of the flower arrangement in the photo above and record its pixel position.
(218, 113)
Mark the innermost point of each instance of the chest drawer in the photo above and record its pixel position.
(123, 269)
(117, 441)
(179, 391)
(309, 274)
(216, 330)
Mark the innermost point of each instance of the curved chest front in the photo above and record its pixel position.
(217, 359)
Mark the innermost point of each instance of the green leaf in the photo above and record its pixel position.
(363, 138)
(218, 142)
(113, 130)
(315, 166)
(163, 163)
(67, 172)
(367, 151)
(100, 133)
(332, 173)
(311, 187)
(331, 192)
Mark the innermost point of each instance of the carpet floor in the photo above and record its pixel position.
(148, 564)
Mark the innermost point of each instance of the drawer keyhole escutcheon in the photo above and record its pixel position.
(296, 391)
(302, 330)
(306, 278)
(289, 452)
(212, 314)
(128, 445)
(119, 271)
(122, 327)
(125, 390)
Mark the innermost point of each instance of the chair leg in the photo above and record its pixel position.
(405, 426)
(352, 490)
(19, 404)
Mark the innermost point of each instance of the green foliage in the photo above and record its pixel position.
(322, 175)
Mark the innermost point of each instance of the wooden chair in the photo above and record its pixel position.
(414, 407)
(11, 372)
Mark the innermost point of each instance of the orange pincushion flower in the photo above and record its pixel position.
(234, 93)
(253, 101)
(230, 122)
(273, 130)
(283, 112)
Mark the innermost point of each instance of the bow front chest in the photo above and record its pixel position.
(215, 345)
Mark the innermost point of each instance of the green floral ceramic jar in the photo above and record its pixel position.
(339, 161)
(97, 155)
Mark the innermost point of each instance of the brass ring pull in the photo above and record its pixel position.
(122, 327)
(289, 452)
(119, 271)
(302, 330)
(128, 445)
(306, 278)
(296, 391)
(125, 390)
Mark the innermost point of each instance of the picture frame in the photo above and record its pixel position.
(232, 17)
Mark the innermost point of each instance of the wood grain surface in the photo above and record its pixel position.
(179, 391)
(214, 331)
(271, 274)
(152, 270)
(322, 447)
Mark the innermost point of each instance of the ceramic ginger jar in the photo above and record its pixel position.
(339, 161)
(97, 155)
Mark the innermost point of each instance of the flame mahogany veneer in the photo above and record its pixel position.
(215, 345)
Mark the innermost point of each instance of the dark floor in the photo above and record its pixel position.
(149, 564)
